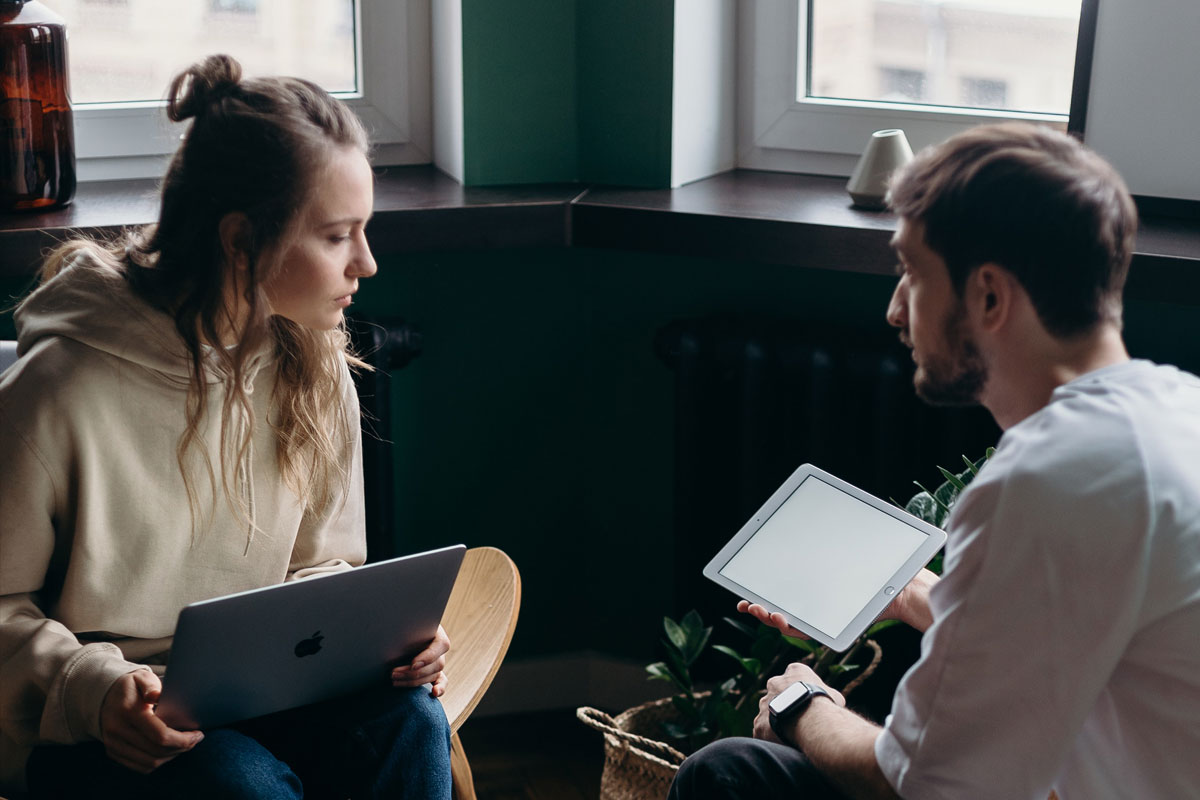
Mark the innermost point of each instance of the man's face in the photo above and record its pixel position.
(933, 322)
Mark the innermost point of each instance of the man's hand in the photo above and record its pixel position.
(427, 667)
(911, 606)
(775, 686)
(132, 733)
(775, 620)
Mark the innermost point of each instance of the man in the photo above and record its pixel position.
(1062, 644)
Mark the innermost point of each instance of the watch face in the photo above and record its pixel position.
(789, 697)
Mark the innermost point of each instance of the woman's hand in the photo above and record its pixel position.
(427, 667)
(132, 733)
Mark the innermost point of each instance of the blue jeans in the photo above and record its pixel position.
(381, 743)
(750, 769)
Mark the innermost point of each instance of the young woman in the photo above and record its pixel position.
(181, 425)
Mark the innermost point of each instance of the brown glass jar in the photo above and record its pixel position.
(37, 137)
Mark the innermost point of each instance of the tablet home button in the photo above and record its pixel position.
(890, 590)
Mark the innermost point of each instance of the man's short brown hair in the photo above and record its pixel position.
(1034, 201)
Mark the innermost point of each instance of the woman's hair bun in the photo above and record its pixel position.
(197, 87)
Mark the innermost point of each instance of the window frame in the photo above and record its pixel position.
(776, 131)
(134, 140)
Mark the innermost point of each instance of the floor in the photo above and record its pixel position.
(543, 756)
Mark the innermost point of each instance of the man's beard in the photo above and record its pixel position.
(956, 379)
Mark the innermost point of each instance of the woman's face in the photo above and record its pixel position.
(323, 262)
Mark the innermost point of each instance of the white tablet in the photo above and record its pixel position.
(826, 555)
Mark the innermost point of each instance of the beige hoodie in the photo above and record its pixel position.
(97, 548)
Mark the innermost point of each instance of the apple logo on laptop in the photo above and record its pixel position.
(309, 646)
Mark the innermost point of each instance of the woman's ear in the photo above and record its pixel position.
(234, 232)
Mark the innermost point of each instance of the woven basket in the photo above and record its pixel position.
(639, 767)
(636, 766)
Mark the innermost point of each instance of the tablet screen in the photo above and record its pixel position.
(823, 555)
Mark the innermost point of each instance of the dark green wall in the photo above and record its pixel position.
(519, 92)
(537, 419)
(565, 90)
(625, 91)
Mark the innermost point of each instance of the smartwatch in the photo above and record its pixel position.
(789, 704)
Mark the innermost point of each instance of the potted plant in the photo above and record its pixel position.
(644, 745)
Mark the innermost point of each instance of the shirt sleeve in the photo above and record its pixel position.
(51, 685)
(1038, 603)
(336, 538)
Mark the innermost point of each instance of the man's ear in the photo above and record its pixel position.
(991, 293)
(235, 234)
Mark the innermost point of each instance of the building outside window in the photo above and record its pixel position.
(825, 73)
(374, 54)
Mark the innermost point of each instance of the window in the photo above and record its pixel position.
(374, 55)
(237, 6)
(984, 93)
(898, 85)
(820, 75)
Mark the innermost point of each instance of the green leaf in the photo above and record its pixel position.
(684, 705)
(675, 634)
(677, 731)
(974, 470)
(691, 622)
(765, 647)
(660, 672)
(696, 643)
(952, 479)
(750, 665)
(683, 675)
(933, 496)
(734, 722)
(740, 626)
(924, 507)
(807, 645)
(945, 495)
(882, 625)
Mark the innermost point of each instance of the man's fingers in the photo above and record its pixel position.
(775, 620)
(439, 685)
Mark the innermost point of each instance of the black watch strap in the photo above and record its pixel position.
(789, 704)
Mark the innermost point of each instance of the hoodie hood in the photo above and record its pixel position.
(92, 303)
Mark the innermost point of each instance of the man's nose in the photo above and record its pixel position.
(897, 311)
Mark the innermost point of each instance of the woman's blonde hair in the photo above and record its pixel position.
(255, 147)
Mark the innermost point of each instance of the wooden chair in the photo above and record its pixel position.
(480, 618)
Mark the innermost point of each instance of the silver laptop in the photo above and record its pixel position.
(265, 650)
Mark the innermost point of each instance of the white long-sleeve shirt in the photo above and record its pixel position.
(1065, 648)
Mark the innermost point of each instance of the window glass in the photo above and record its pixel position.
(128, 50)
(1014, 55)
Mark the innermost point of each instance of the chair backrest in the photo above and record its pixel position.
(8, 353)
(480, 618)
